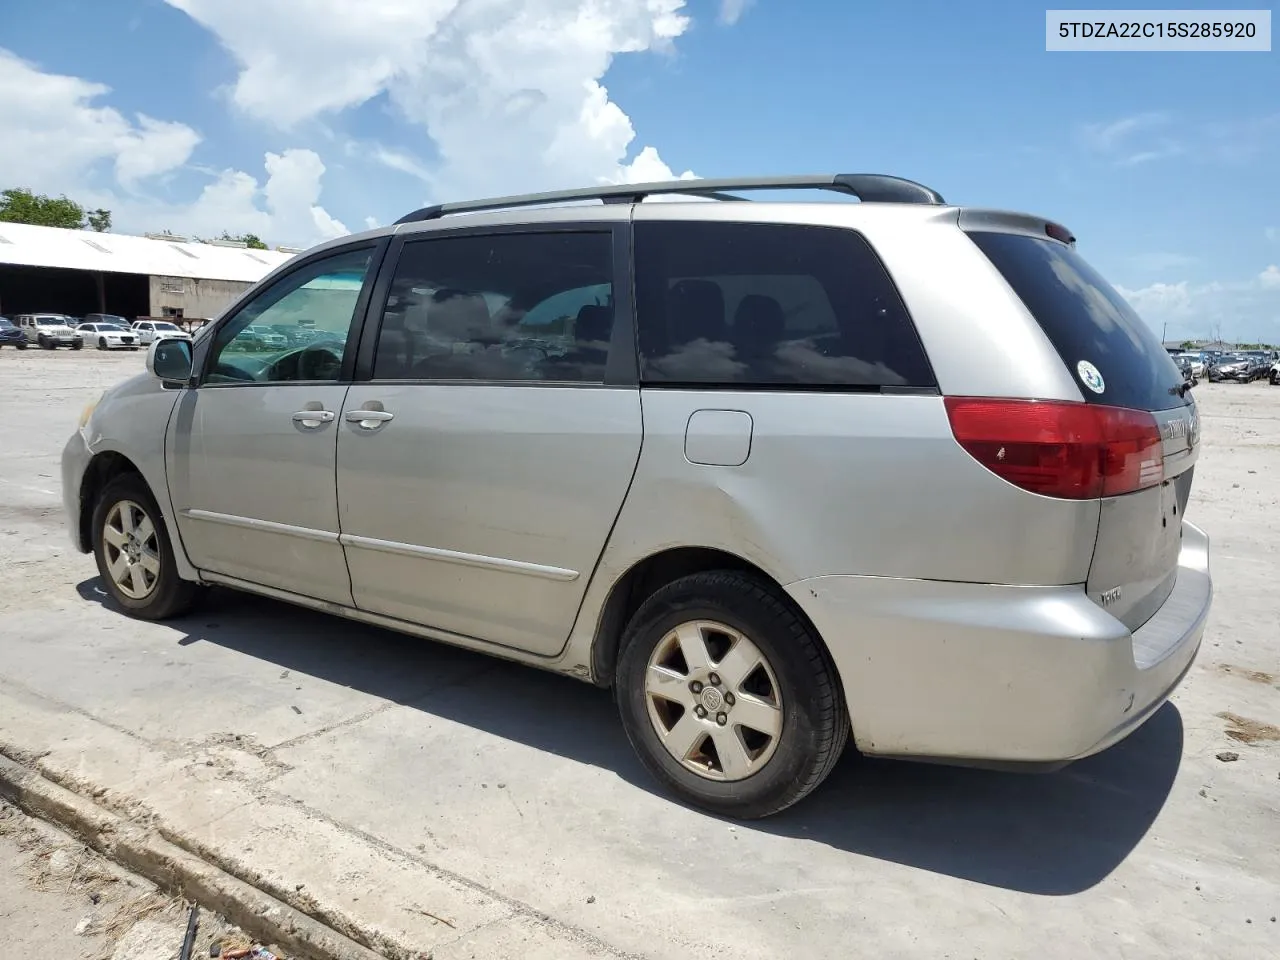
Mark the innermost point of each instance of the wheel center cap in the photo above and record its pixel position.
(712, 699)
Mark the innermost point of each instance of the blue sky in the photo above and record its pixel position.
(303, 119)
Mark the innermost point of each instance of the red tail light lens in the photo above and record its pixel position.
(1073, 451)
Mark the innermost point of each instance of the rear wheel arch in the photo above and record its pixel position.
(646, 577)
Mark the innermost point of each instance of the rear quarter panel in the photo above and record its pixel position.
(835, 484)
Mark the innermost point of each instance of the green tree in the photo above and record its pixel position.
(21, 205)
(99, 220)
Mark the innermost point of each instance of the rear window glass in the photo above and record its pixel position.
(750, 304)
(1111, 352)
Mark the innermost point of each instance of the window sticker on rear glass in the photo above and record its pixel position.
(1090, 376)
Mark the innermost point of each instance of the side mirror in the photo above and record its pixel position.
(170, 360)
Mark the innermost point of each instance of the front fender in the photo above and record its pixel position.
(132, 420)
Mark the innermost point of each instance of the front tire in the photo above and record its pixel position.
(78, 345)
(46, 343)
(135, 555)
(102, 343)
(728, 696)
(22, 345)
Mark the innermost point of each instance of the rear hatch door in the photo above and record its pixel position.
(1117, 360)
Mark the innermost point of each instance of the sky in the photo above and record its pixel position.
(300, 120)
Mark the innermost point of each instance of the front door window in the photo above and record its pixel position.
(296, 330)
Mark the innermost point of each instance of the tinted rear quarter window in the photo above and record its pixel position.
(1087, 321)
(770, 305)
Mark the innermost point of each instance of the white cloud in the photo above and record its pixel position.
(731, 11)
(282, 209)
(156, 147)
(1116, 135)
(1243, 310)
(1159, 135)
(58, 139)
(55, 134)
(401, 161)
(1162, 301)
(1132, 141)
(508, 90)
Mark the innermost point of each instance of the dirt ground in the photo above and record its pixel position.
(61, 900)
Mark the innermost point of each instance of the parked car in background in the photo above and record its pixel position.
(267, 338)
(149, 330)
(109, 336)
(1195, 359)
(1234, 367)
(51, 330)
(780, 474)
(107, 318)
(1261, 361)
(11, 334)
(294, 335)
(1274, 373)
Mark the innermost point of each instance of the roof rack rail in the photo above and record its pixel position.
(867, 187)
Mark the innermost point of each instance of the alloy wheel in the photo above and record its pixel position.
(714, 700)
(132, 549)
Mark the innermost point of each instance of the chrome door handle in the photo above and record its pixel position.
(313, 418)
(368, 419)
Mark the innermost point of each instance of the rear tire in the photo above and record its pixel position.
(785, 681)
(135, 555)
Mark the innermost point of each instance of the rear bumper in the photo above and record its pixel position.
(988, 673)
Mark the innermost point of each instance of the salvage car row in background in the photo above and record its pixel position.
(49, 331)
(1241, 366)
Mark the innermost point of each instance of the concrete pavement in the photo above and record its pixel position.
(417, 798)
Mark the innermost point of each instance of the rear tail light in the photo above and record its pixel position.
(1074, 451)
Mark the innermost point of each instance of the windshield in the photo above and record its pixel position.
(166, 326)
(4, 322)
(51, 321)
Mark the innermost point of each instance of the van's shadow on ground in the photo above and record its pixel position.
(1049, 834)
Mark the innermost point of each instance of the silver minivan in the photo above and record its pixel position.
(780, 474)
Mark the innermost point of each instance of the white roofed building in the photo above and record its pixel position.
(47, 269)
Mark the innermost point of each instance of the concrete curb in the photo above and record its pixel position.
(173, 869)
